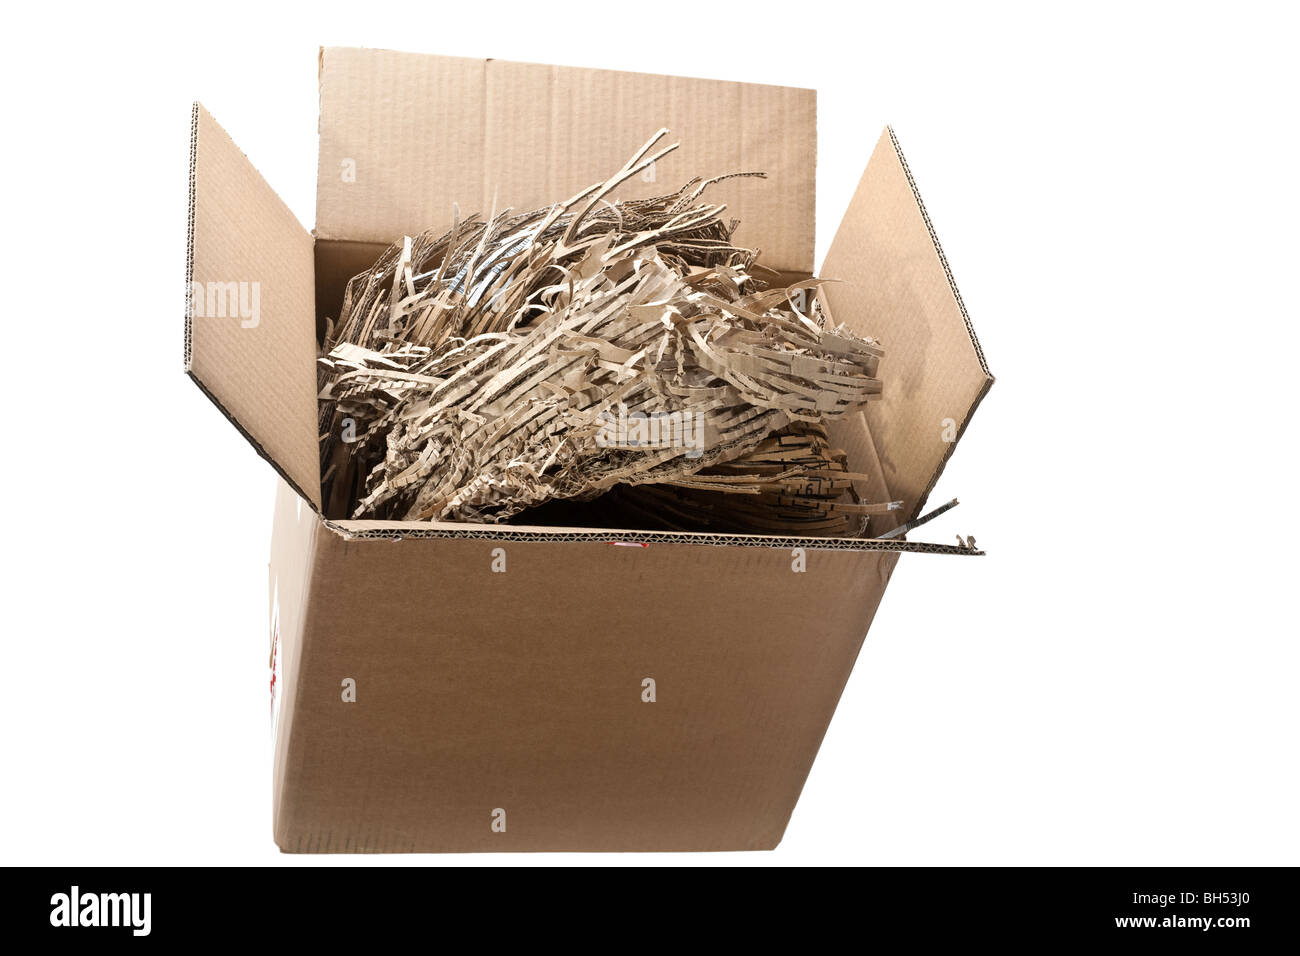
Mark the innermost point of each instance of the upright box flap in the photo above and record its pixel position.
(250, 310)
(896, 285)
(404, 136)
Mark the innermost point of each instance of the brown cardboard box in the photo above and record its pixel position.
(456, 687)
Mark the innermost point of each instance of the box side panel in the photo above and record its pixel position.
(292, 550)
(250, 311)
(896, 286)
(404, 136)
(565, 695)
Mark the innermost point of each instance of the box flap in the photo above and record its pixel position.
(896, 285)
(404, 136)
(250, 306)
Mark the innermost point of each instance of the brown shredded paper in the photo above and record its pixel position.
(579, 347)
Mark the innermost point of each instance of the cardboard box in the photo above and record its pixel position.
(457, 687)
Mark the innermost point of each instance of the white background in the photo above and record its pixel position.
(1116, 191)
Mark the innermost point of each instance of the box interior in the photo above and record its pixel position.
(520, 135)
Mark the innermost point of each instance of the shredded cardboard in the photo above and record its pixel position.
(793, 482)
(587, 345)
(929, 516)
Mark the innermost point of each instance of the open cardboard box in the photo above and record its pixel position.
(460, 687)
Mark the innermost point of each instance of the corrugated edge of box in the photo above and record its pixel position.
(398, 530)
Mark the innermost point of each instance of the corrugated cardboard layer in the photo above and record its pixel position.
(396, 530)
(404, 136)
(259, 368)
(522, 691)
(896, 285)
